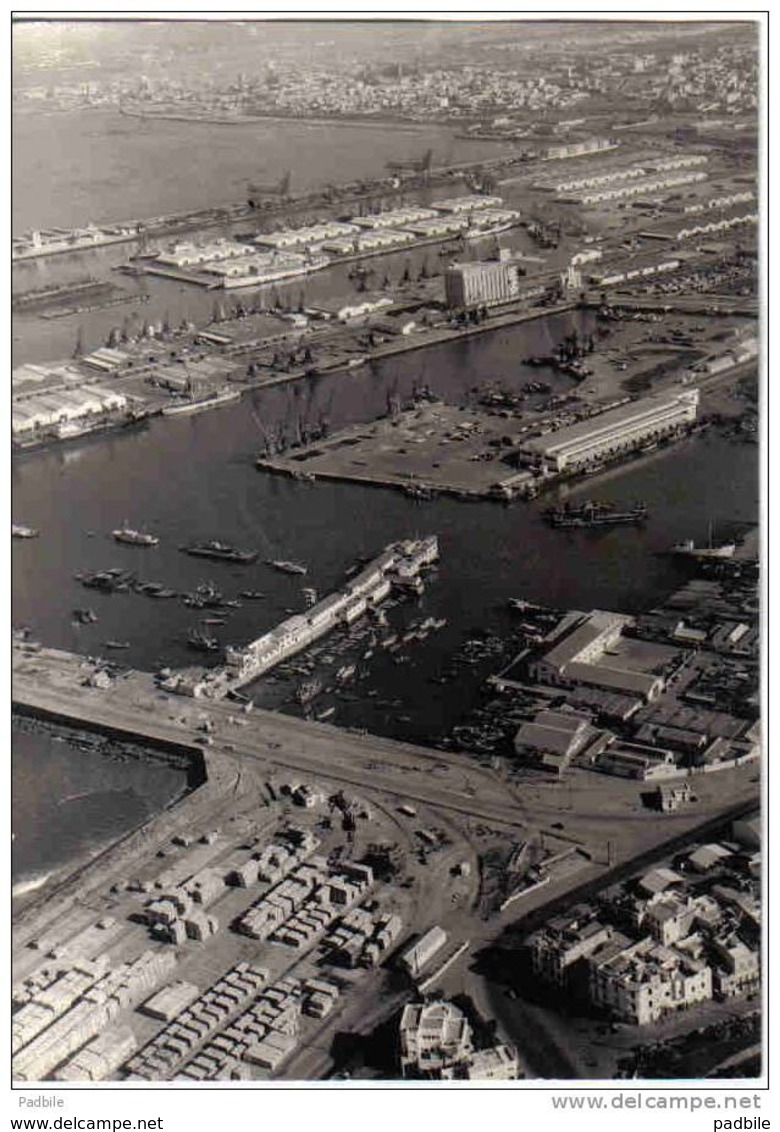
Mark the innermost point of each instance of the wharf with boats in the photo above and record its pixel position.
(400, 566)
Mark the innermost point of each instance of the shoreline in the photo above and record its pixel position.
(434, 338)
(364, 122)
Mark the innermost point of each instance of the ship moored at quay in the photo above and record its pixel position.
(399, 566)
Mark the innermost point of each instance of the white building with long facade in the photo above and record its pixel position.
(610, 434)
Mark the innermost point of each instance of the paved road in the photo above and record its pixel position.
(284, 742)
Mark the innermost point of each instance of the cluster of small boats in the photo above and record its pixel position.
(472, 652)
(207, 596)
(117, 580)
(331, 667)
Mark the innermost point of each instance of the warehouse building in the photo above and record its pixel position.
(590, 650)
(368, 240)
(657, 183)
(613, 433)
(311, 234)
(552, 738)
(416, 956)
(577, 149)
(467, 203)
(449, 225)
(197, 255)
(42, 412)
(396, 217)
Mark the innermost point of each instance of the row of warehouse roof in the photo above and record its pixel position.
(47, 410)
(653, 184)
(594, 179)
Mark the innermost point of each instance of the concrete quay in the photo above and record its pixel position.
(51, 683)
(263, 744)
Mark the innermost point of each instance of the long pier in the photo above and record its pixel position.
(399, 565)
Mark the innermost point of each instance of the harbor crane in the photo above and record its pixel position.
(280, 189)
(412, 165)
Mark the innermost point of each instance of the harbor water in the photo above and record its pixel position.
(69, 802)
(78, 493)
(193, 477)
(108, 167)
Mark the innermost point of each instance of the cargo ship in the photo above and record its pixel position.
(73, 430)
(220, 551)
(131, 537)
(476, 233)
(192, 405)
(593, 514)
(286, 567)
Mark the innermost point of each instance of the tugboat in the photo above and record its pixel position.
(206, 596)
(287, 567)
(220, 551)
(155, 589)
(201, 642)
(687, 548)
(84, 616)
(131, 537)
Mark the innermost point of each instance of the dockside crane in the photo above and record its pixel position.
(412, 165)
(281, 189)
